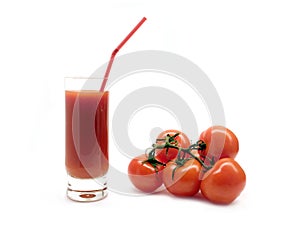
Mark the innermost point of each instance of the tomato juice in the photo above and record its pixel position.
(86, 133)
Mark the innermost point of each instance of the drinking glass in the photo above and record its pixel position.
(86, 139)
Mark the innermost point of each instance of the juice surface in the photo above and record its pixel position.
(86, 133)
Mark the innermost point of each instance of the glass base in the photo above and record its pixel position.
(86, 190)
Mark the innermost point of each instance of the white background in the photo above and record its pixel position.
(249, 49)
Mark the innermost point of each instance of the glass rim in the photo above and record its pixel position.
(81, 83)
(82, 77)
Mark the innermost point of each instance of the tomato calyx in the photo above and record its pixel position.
(199, 146)
(185, 154)
(180, 161)
(169, 142)
(152, 161)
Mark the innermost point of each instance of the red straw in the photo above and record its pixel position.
(112, 57)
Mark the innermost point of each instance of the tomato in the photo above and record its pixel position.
(164, 155)
(186, 180)
(143, 175)
(224, 182)
(220, 143)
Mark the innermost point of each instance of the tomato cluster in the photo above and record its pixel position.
(185, 169)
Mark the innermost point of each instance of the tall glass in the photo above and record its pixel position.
(86, 139)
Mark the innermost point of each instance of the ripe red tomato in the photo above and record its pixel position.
(143, 175)
(224, 182)
(186, 180)
(220, 143)
(181, 140)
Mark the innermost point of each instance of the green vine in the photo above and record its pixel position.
(184, 154)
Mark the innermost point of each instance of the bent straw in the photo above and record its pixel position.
(112, 57)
